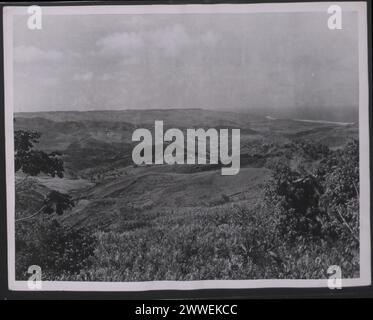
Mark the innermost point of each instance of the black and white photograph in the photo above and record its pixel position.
(211, 146)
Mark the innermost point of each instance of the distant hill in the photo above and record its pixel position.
(96, 139)
(180, 118)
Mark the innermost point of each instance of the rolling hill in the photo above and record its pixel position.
(141, 213)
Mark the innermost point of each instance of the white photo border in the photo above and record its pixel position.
(365, 241)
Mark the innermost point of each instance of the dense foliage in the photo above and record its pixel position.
(320, 208)
(33, 162)
(305, 219)
(322, 203)
(58, 250)
(57, 202)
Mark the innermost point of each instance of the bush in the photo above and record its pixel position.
(317, 213)
(58, 250)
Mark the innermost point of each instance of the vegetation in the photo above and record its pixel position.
(41, 241)
(305, 218)
(302, 228)
(318, 212)
(59, 251)
(33, 162)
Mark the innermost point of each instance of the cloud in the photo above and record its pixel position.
(120, 42)
(83, 76)
(136, 21)
(106, 77)
(31, 54)
(169, 41)
(209, 38)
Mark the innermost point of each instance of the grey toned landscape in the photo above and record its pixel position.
(84, 83)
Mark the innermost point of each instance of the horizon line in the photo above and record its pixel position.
(116, 110)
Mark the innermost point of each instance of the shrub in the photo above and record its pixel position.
(56, 249)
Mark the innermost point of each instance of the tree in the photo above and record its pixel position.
(322, 204)
(61, 251)
(33, 162)
(57, 202)
(295, 197)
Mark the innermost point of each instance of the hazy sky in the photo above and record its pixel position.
(225, 61)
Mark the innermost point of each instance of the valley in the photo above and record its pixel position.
(117, 199)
